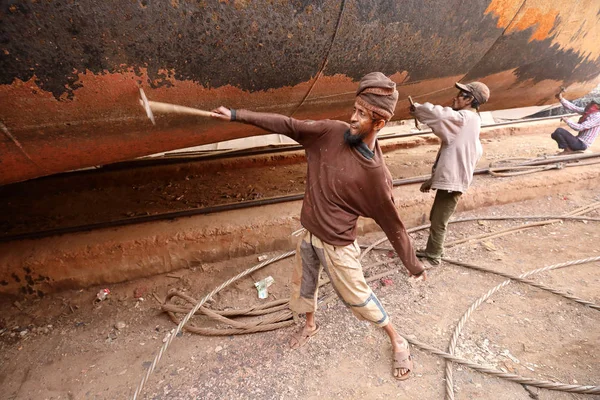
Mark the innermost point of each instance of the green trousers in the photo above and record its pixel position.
(443, 207)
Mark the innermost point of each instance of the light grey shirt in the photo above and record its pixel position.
(460, 149)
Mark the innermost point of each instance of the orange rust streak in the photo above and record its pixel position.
(533, 17)
(114, 97)
(561, 21)
(505, 10)
(541, 16)
(506, 89)
(104, 123)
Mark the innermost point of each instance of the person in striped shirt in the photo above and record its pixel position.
(588, 126)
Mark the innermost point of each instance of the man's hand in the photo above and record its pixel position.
(426, 186)
(421, 277)
(564, 119)
(222, 113)
(412, 109)
(559, 94)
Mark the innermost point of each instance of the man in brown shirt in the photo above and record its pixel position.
(346, 178)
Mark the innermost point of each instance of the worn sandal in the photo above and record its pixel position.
(403, 360)
(299, 339)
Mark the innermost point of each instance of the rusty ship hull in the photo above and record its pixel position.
(70, 70)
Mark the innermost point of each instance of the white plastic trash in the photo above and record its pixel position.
(262, 286)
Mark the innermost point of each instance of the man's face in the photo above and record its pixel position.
(461, 100)
(361, 122)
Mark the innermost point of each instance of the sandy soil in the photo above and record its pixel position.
(64, 346)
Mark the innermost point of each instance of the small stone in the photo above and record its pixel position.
(23, 333)
(218, 349)
(140, 292)
(489, 246)
(387, 282)
(120, 325)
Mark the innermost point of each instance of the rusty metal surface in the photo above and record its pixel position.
(70, 70)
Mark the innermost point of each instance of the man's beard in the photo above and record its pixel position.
(353, 140)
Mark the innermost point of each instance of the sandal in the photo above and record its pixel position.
(299, 338)
(403, 360)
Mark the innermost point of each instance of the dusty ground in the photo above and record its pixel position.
(65, 347)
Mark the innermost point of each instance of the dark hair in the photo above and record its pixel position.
(465, 95)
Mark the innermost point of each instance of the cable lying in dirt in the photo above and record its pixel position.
(496, 169)
(275, 314)
(184, 321)
(501, 374)
(573, 214)
(553, 160)
(450, 357)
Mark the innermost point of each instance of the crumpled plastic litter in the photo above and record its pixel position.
(262, 286)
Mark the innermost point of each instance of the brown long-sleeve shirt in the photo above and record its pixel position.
(341, 184)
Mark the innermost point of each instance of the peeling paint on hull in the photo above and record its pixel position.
(69, 71)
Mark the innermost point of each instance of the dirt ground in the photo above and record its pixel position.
(64, 346)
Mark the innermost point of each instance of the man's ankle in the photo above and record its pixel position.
(310, 327)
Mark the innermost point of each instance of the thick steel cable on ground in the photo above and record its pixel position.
(478, 302)
(563, 387)
(527, 381)
(571, 215)
(526, 281)
(166, 345)
(515, 170)
(275, 314)
(577, 212)
(469, 219)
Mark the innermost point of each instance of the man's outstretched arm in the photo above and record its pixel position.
(299, 130)
(436, 117)
(570, 106)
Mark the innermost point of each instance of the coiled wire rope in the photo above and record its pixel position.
(283, 319)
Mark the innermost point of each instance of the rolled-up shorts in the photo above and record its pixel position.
(342, 265)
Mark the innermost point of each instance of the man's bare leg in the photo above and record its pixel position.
(398, 343)
(311, 325)
(300, 338)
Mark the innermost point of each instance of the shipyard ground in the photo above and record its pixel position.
(65, 346)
